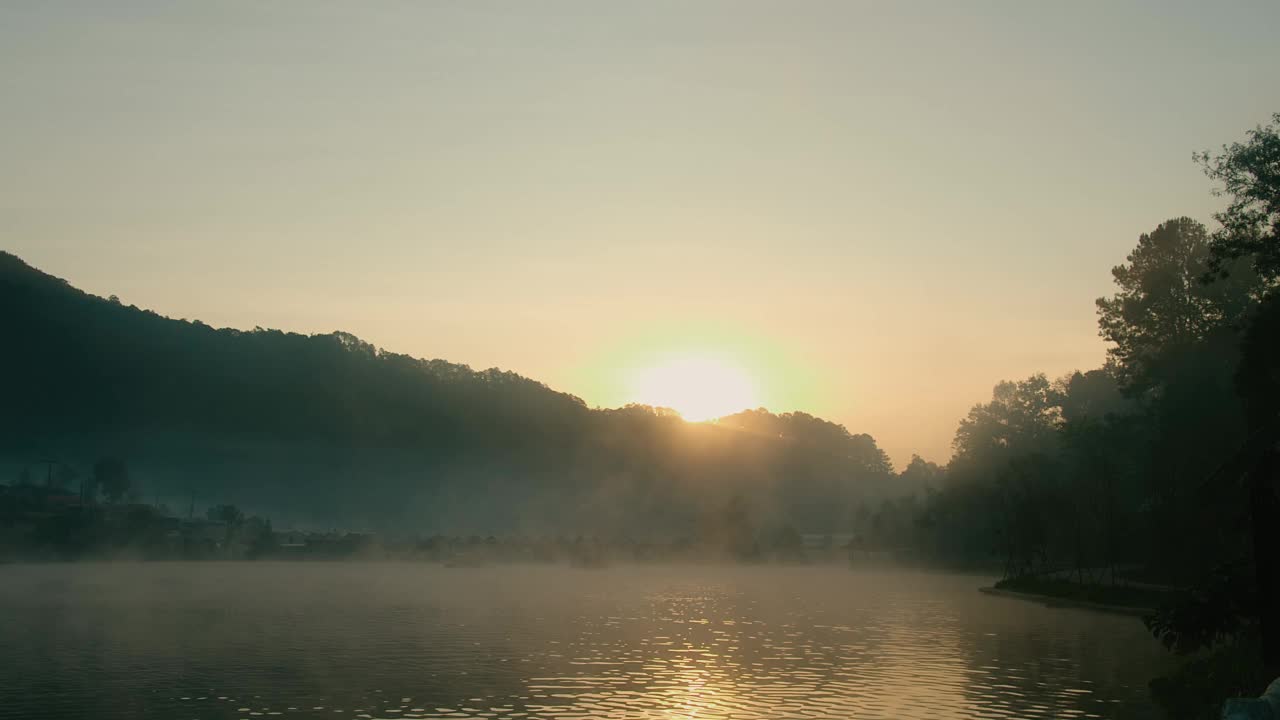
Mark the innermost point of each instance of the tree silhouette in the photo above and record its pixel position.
(1250, 174)
(1163, 308)
(111, 475)
(231, 517)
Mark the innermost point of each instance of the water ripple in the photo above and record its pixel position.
(312, 640)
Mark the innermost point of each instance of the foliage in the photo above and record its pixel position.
(1215, 610)
(1250, 225)
(1196, 689)
(1162, 309)
(1257, 379)
(920, 475)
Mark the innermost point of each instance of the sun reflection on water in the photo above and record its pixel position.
(555, 644)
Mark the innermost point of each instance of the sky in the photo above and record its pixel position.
(874, 211)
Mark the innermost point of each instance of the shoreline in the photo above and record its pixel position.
(1055, 601)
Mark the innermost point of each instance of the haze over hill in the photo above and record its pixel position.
(327, 429)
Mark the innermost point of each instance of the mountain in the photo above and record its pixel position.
(329, 430)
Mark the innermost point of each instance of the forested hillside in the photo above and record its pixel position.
(328, 429)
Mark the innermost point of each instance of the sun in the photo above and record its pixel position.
(699, 387)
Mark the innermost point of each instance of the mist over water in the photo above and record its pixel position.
(392, 640)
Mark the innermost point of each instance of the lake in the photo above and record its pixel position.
(402, 640)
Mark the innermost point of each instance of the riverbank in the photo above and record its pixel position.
(1134, 600)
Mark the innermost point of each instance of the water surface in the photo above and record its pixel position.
(333, 640)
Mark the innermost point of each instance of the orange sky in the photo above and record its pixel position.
(876, 211)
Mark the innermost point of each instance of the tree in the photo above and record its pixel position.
(112, 476)
(1101, 439)
(920, 475)
(1021, 418)
(1226, 608)
(1176, 344)
(1094, 394)
(1175, 338)
(1258, 382)
(1163, 307)
(1000, 476)
(1103, 458)
(230, 516)
(1250, 174)
(1026, 506)
(1258, 377)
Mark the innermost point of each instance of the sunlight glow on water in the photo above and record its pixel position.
(320, 640)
